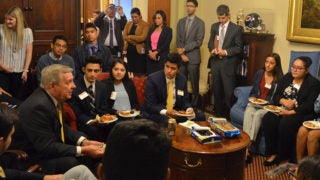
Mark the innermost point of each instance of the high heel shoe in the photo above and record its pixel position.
(270, 163)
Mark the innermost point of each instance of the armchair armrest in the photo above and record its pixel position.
(23, 156)
(237, 110)
(242, 94)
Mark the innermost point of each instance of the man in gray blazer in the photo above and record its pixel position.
(225, 45)
(190, 34)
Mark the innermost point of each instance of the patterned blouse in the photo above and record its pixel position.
(291, 92)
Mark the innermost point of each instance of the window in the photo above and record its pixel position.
(126, 4)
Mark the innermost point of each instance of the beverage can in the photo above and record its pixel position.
(172, 124)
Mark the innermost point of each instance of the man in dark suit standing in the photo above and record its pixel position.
(91, 47)
(111, 28)
(190, 34)
(89, 98)
(44, 135)
(166, 93)
(225, 45)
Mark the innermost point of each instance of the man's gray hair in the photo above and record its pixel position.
(52, 74)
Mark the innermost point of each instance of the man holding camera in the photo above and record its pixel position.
(111, 28)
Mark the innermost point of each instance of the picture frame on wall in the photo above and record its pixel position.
(304, 21)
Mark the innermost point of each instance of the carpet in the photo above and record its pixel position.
(256, 170)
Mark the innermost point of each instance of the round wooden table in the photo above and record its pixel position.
(190, 160)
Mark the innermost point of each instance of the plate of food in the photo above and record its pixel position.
(104, 119)
(185, 114)
(312, 124)
(272, 108)
(257, 101)
(129, 113)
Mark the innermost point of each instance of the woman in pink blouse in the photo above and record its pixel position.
(158, 42)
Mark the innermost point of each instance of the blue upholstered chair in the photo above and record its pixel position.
(315, 57)
(242, 95)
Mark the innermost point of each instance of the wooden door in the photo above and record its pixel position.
(88, 7)
(46, 18)
(49, 18)
(5, 5)
(154, 5)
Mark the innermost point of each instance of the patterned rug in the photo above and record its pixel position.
(256, 170)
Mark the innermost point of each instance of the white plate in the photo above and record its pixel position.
(136, 113)
(312, 124)
(108, 122)
(185, 115)
(258, 101)
(272, 108)
(97, 120)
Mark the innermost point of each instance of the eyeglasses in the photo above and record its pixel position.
(60, 46)
(191, 6)
(297, 68)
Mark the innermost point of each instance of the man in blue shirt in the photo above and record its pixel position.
(59, 46)
(91, 47)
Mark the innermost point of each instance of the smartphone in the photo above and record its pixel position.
(12, 106)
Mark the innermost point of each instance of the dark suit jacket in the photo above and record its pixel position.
(103, 24)
(193, 42)
(156, 93)
(163, 43)
(129, 87)
(233, 43)
(39, 128)
(82, 52)
(21, 175)
(82, 107)
(307, 94)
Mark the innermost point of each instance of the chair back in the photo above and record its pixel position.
(140, 83)
(103, 76)
(70, 117)
(315, 57)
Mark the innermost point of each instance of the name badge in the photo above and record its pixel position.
(180, 93)
(83, 95)
(268, 86)
(143, 51)
(113, 95)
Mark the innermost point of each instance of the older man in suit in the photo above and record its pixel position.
(89, 98)
(43, 134)
(8, 118)
(111, 28)
(190, 34)
(166, 93)
(225, 45)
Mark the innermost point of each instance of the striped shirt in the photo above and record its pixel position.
(11, 56)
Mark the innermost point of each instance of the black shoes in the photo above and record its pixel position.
(270, 163)
(249, 159)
